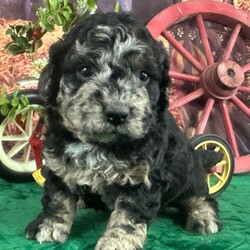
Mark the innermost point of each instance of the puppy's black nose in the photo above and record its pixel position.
(116, 117)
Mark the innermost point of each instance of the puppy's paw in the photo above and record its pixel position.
(47, 231)
(118, 239)
(203, 223)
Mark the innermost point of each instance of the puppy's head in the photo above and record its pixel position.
(107, 78)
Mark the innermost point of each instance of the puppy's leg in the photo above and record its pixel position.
(202, 215)
(53, 224)
(123, 232)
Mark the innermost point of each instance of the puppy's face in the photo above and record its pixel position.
(109, 84)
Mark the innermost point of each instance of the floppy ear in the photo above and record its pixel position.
(46, 84)
(164, 84)
(49, 81)
(209, 158)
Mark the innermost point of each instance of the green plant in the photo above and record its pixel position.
(28, 38)
(25, 39)
(11, 105)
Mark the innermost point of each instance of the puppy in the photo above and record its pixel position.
(110, 140)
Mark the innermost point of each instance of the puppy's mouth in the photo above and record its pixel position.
(111, 136)
(104, 137)
(108, 137)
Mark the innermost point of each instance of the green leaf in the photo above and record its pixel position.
(49, 27)
(19, 28)
(9, 32)
(13, 37)
(91, 4)
(24, 100)
(66, 13)
(4, 100)
(59, 19)
(4, 110)
(53, 4)
(15, 49)
(24, 116)
(15, 93)
(65, 2)
(22, 41)
(12, 112)
(15, 102)
(117, 7)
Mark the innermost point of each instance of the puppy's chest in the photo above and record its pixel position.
(85, 164)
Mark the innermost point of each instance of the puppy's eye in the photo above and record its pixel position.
(86, 72)
(144, 76)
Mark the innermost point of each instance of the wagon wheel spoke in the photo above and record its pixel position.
(244, 89)
(20, 140)
(19, 127)
(231, 42)
(223, 162)
(217, 149)
(178, 46)
(17, 148)
(240, 105)
(205, 116)
(29, 123)
(27, 153)
(187, 98)
(185, 77)
(246, 67)
(9, 138)
(208, 181)
(218, 176)
(204, 39)
(229, 127)
(19, 135)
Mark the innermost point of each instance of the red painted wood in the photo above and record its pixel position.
(229, 128)
(185, 77)
(218, 82)
(231, 42)
(204, 117)
(210, 10)
(204, 39)
(187, 98)
(185, 53)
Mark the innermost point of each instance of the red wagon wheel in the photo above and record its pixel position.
(209, 80)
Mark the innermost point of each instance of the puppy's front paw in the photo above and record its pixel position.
(118, 239)
(47, 231)
(203, 223)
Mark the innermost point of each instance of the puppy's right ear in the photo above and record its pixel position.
(49, 81)
(47, 85)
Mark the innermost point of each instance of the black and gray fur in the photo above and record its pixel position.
(110, 140)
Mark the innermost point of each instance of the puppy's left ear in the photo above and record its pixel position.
(164, 84)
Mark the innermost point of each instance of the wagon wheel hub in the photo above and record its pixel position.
(221, 80)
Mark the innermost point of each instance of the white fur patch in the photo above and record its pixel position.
(90, 165)
(50, 230)
(117, 238)
(201, 217)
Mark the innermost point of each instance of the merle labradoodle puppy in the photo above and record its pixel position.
(110, 140)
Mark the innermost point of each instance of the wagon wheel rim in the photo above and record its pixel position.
(15, 149)
(208, 11)
(220, 175)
